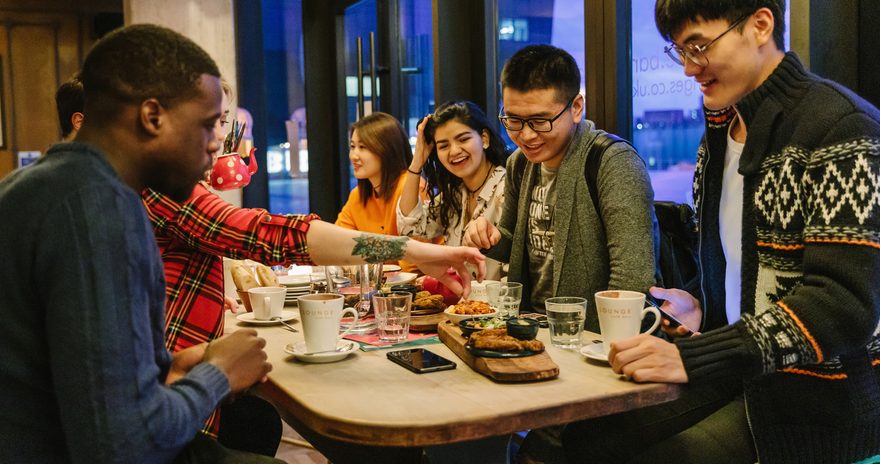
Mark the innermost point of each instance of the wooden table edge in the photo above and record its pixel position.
(409, 434)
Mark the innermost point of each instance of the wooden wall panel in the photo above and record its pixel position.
(33, 79)
(33, 64)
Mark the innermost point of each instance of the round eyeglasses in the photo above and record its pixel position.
(537, 124)
(697, 53)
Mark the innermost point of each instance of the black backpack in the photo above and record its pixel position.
(675, 250)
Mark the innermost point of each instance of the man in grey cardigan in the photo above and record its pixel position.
(550, 232)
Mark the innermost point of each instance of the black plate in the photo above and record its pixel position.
(500, 354)
(467, 329)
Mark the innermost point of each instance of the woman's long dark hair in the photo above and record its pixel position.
(383, 135)
(440, 180)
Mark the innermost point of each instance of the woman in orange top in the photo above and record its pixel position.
(379, 152)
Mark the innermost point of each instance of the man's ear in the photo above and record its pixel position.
(151, 115)
(577, 108)
(764, 26)
(76, 120)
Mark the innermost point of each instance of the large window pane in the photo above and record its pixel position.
(416, 62)
(525, 22)
(667, 109)
(287, 161)
(359, 21)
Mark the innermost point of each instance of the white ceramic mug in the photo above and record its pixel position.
(320, 314)
(266, 302)
(621, 313)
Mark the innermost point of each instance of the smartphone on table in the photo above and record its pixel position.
(673, 322)
(420, 360)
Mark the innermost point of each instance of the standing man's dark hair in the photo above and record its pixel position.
(542, 67)
(69, 103)
(671, 15)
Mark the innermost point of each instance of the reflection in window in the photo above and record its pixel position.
(287, 161)
(667, 109)
(526, 22)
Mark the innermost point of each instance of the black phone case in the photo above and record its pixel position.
(673, 322)
(397, 360)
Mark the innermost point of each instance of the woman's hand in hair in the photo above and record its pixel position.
(423, 148)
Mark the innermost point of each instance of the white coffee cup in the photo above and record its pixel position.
(620, 315)
(266, 302)
(321, 314)
(478, 290)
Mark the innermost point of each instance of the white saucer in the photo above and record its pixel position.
(401, 278)
(286, 315)
(595, 351)
(298, 350)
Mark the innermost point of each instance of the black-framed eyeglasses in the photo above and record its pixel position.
(697, 53)
(537, 124)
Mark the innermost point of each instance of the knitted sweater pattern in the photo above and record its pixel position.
(807, 347)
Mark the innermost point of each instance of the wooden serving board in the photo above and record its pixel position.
(525, 369)
(426, 323)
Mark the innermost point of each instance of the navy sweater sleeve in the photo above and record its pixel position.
(103, 287)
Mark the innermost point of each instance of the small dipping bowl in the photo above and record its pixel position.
(408, 288)
(469, 326)
(522, 328)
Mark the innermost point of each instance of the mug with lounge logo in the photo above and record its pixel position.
(321, 314)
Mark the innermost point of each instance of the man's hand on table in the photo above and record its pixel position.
(240, 357)
(481, 234)
(645, 358)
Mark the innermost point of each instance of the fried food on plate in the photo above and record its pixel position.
(430, 302)
(472, 307)
(498, 340)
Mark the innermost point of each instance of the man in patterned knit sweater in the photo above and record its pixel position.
(787, 192)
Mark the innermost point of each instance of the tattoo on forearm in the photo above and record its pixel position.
(378, 248)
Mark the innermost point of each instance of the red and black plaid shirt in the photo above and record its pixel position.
(193, 237)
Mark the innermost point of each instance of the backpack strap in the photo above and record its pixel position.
(600, 144)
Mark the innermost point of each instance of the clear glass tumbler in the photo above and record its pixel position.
(565, 316)
(505, 297)
(392, 316)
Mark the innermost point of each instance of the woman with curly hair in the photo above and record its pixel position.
(462, 159)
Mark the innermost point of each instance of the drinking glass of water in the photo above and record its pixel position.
(392, 316)
(565, 316)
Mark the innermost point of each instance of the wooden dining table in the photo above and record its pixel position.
(367, 399)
